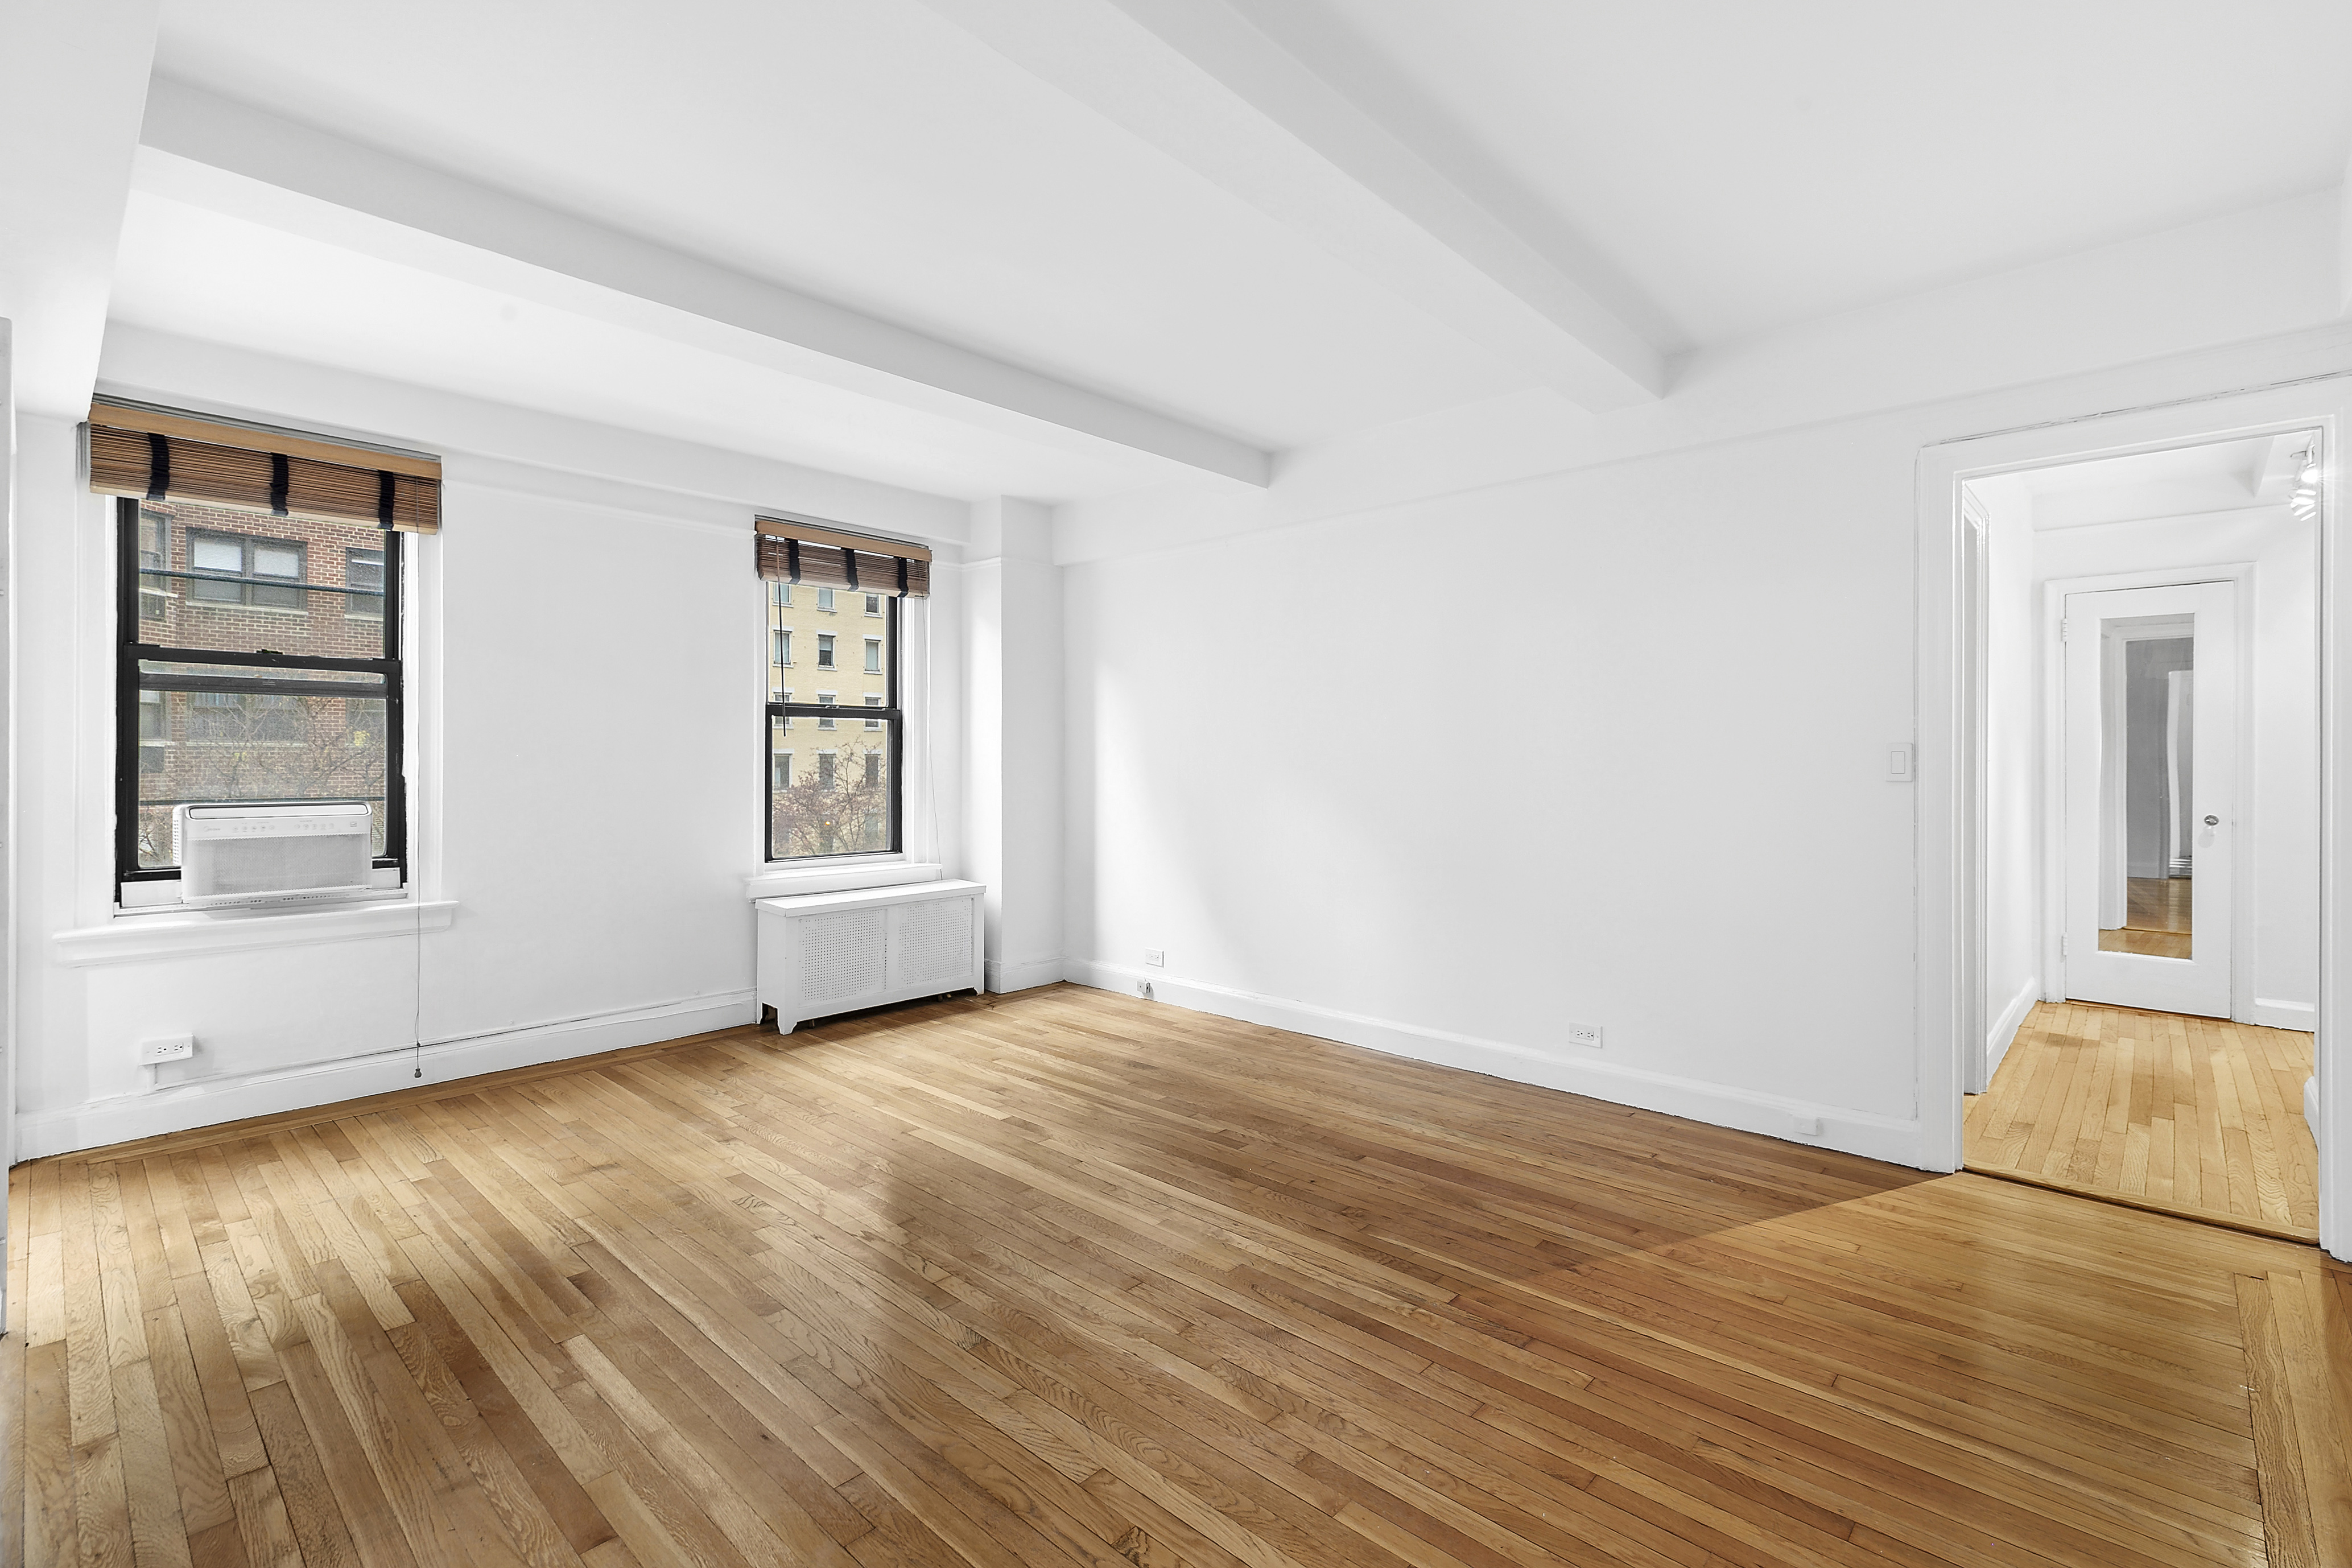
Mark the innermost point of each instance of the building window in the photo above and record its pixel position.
(218, 704)
(239, 568)
(846, 799)
(779, 594)
(873, 604)
(780, 653)
(364, 574)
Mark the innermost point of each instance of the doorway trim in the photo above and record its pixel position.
(1949, 840)
(2240, 574)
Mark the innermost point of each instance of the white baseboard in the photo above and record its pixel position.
(2273, 1014)
(1859, 1132)
(1004, 977)
(2003, 1033)
(209, 1101)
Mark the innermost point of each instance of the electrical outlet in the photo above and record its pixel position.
(166, 1048)
(1585, 1035)
(1156, 956)
(1806, 1126)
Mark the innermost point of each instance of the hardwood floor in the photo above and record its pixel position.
(1070, 1278)
(2199, 1117)
(2157, 918)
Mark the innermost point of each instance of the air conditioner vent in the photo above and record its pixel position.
(272, 853)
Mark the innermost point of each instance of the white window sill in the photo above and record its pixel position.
(835, 877)
(181, 934)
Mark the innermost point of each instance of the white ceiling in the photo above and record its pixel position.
(1747, 165)
(1703, 170)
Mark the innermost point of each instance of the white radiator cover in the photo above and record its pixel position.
(272, 853)
(821, 953)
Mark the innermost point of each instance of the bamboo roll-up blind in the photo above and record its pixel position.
(794, 551)
(162, 455)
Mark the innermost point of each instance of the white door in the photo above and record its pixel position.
(2151, 747)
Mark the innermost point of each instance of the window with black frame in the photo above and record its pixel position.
(835, 785)
(259, 661)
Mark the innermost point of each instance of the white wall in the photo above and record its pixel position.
(2013, 705)
(1605, 745)
(585, 658)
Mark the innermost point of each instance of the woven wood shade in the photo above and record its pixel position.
(189, 459)
(828, 558)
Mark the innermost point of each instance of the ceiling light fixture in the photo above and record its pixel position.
(2305, 501)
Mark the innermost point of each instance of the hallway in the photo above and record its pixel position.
(2200, 1117)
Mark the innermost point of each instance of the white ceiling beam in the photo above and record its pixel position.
(227, 156)
(72, 80)
(1201, 81)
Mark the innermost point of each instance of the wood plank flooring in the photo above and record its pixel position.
(1069, 1279)
(2157, 921)
(2199, 1117)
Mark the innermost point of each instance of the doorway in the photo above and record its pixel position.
(2128, 861)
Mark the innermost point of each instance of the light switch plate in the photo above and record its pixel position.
(1902, 762)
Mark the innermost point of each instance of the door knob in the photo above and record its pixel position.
(2213, 822)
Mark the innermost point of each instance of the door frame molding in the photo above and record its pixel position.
(2240, 574)
(1949, 840)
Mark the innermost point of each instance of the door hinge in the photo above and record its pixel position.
(2066, 631)
(2061, 947)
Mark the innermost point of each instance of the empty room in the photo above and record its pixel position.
(1115, 783)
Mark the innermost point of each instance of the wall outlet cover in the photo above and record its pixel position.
(1585, 1035)
(1156, 956)
(1806, 1126)
(166, 1048)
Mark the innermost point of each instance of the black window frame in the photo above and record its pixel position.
(891, 712)
(130, 682)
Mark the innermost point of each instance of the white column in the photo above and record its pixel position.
(1013, 751)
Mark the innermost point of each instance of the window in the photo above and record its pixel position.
(843, 799)
(364, 574)
(873, 604)
(779, 594)
(217, 703)
(236, 569)
(780, 653)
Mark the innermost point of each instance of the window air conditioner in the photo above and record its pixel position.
(272, 853)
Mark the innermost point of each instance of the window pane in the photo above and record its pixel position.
(873, 604)
(364, 569)
(255, 745)
(216, 577)
(833, 802)
(825, 598)
(824, 651)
